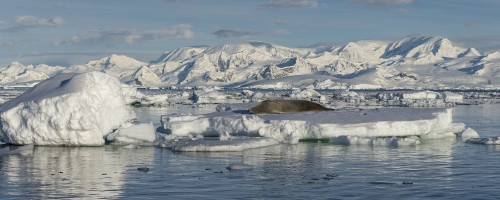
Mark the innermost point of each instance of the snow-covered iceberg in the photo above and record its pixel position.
(335, 125)
(67, 109)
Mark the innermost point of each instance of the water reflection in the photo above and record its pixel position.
(305, 170)
(61, 172)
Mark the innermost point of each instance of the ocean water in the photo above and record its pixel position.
(436, 169)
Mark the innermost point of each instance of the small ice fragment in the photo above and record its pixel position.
(224, 136)
(469, 133)
(131, 146)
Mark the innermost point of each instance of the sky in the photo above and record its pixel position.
(67, 32)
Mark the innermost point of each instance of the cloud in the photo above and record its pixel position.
(28, 20)
(276, 4)
(226, 33)
(24, 22)
(381, 3)
(124, 36)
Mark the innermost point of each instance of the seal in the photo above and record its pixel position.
(278, 106)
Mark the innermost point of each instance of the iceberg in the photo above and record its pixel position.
(74, 109)
(356, 125)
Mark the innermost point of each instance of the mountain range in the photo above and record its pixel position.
(413, 62)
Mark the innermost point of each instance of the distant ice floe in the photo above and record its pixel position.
(495, 140)
(387, 126)
(67, 109)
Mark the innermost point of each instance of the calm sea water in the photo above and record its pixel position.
(437, 169)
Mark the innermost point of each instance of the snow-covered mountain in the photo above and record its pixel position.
(17, 73)
(411, 62)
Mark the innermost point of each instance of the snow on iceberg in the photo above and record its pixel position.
(67, 109)
(348, 123)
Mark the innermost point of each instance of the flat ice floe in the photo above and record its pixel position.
(67, 109)
(403, 126)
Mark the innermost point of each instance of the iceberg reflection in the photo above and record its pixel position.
(71, 172)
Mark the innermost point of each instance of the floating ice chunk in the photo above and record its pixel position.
(305, 94)
(67, 109)
(209, 95)
(452, 97)
(487, 140)
(224, 136)
(131, 146)
(421, 95)
(154, 100)
(134, 134)
(469, 133)
(290, 128)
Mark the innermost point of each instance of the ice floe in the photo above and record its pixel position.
(384, 126)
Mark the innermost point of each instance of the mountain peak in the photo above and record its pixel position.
(423, 49)
(15, 63)
(115, 60)
(181, 54)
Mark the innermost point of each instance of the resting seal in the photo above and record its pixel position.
(277, 106)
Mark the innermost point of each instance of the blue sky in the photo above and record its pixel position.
(66, 32)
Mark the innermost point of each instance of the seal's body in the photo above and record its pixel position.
(276, 106)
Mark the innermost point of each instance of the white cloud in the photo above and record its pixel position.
(28, 20)
(24, 22)
(290, 4)
(226, 33)
(126, 36)
(380, 3)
